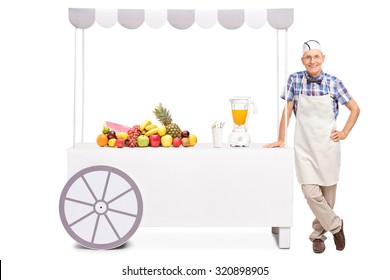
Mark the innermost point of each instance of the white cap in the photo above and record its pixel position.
(311, 45)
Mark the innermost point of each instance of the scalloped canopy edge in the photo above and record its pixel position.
(84, 18)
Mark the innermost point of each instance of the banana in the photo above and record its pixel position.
(145, 124)
(151, 132)
(150, 126)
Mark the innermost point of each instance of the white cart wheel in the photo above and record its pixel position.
(101, 207)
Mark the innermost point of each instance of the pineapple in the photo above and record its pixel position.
(164, 117)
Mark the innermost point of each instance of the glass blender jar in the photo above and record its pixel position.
(239, 137)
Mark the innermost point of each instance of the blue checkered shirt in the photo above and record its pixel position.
(297, 83)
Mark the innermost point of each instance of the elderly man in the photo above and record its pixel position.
(314, 97)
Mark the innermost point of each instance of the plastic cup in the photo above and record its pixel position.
(217, 137)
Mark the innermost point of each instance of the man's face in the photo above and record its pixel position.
(312, 60)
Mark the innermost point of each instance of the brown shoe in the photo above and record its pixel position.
(318, 246)
(339, 238)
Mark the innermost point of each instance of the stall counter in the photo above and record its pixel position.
(204, 186)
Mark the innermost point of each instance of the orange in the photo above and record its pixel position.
(102, 140)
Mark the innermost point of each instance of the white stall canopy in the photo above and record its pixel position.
(279, 19)
(231, 19)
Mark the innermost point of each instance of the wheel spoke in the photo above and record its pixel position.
(121, 212)
(89, 188)
(78, 201)
(118, 196)
(112, 226)
(95, 229)
(82, 218)
(106, 185)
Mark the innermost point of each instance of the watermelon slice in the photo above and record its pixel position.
(117, 127)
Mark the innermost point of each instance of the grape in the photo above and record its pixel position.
(133, 133)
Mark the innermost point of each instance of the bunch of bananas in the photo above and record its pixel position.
(147, 128)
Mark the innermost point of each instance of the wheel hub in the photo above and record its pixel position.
(101, 207)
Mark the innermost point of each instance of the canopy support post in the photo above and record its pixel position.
(277, 84)
(285, 85)
(83, 88)
(74, 86)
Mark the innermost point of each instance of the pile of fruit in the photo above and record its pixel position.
(148, 134)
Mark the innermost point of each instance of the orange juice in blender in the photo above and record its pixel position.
(239, 137)
(239, 116)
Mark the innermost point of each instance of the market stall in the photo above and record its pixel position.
(110, 192)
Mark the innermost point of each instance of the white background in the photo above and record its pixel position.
(36, 58)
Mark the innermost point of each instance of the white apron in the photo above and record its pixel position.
(317, 157)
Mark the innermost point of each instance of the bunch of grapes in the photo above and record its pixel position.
(133, 133)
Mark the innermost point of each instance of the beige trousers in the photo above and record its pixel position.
(321, 201)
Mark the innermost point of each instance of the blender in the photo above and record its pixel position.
(239, 137)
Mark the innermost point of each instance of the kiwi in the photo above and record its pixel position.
(185, 142)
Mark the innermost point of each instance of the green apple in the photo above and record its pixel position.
(105, 129)
(143, 141)
(166, 140)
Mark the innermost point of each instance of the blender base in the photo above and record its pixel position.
(239, 139)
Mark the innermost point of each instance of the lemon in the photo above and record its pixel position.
(193, 139)
(162, 130)
(112, 142)
(122, 135)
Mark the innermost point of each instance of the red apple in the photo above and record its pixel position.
(176, 142)
(119, 143)
(154, 140)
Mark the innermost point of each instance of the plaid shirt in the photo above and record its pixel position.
(297, 83)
